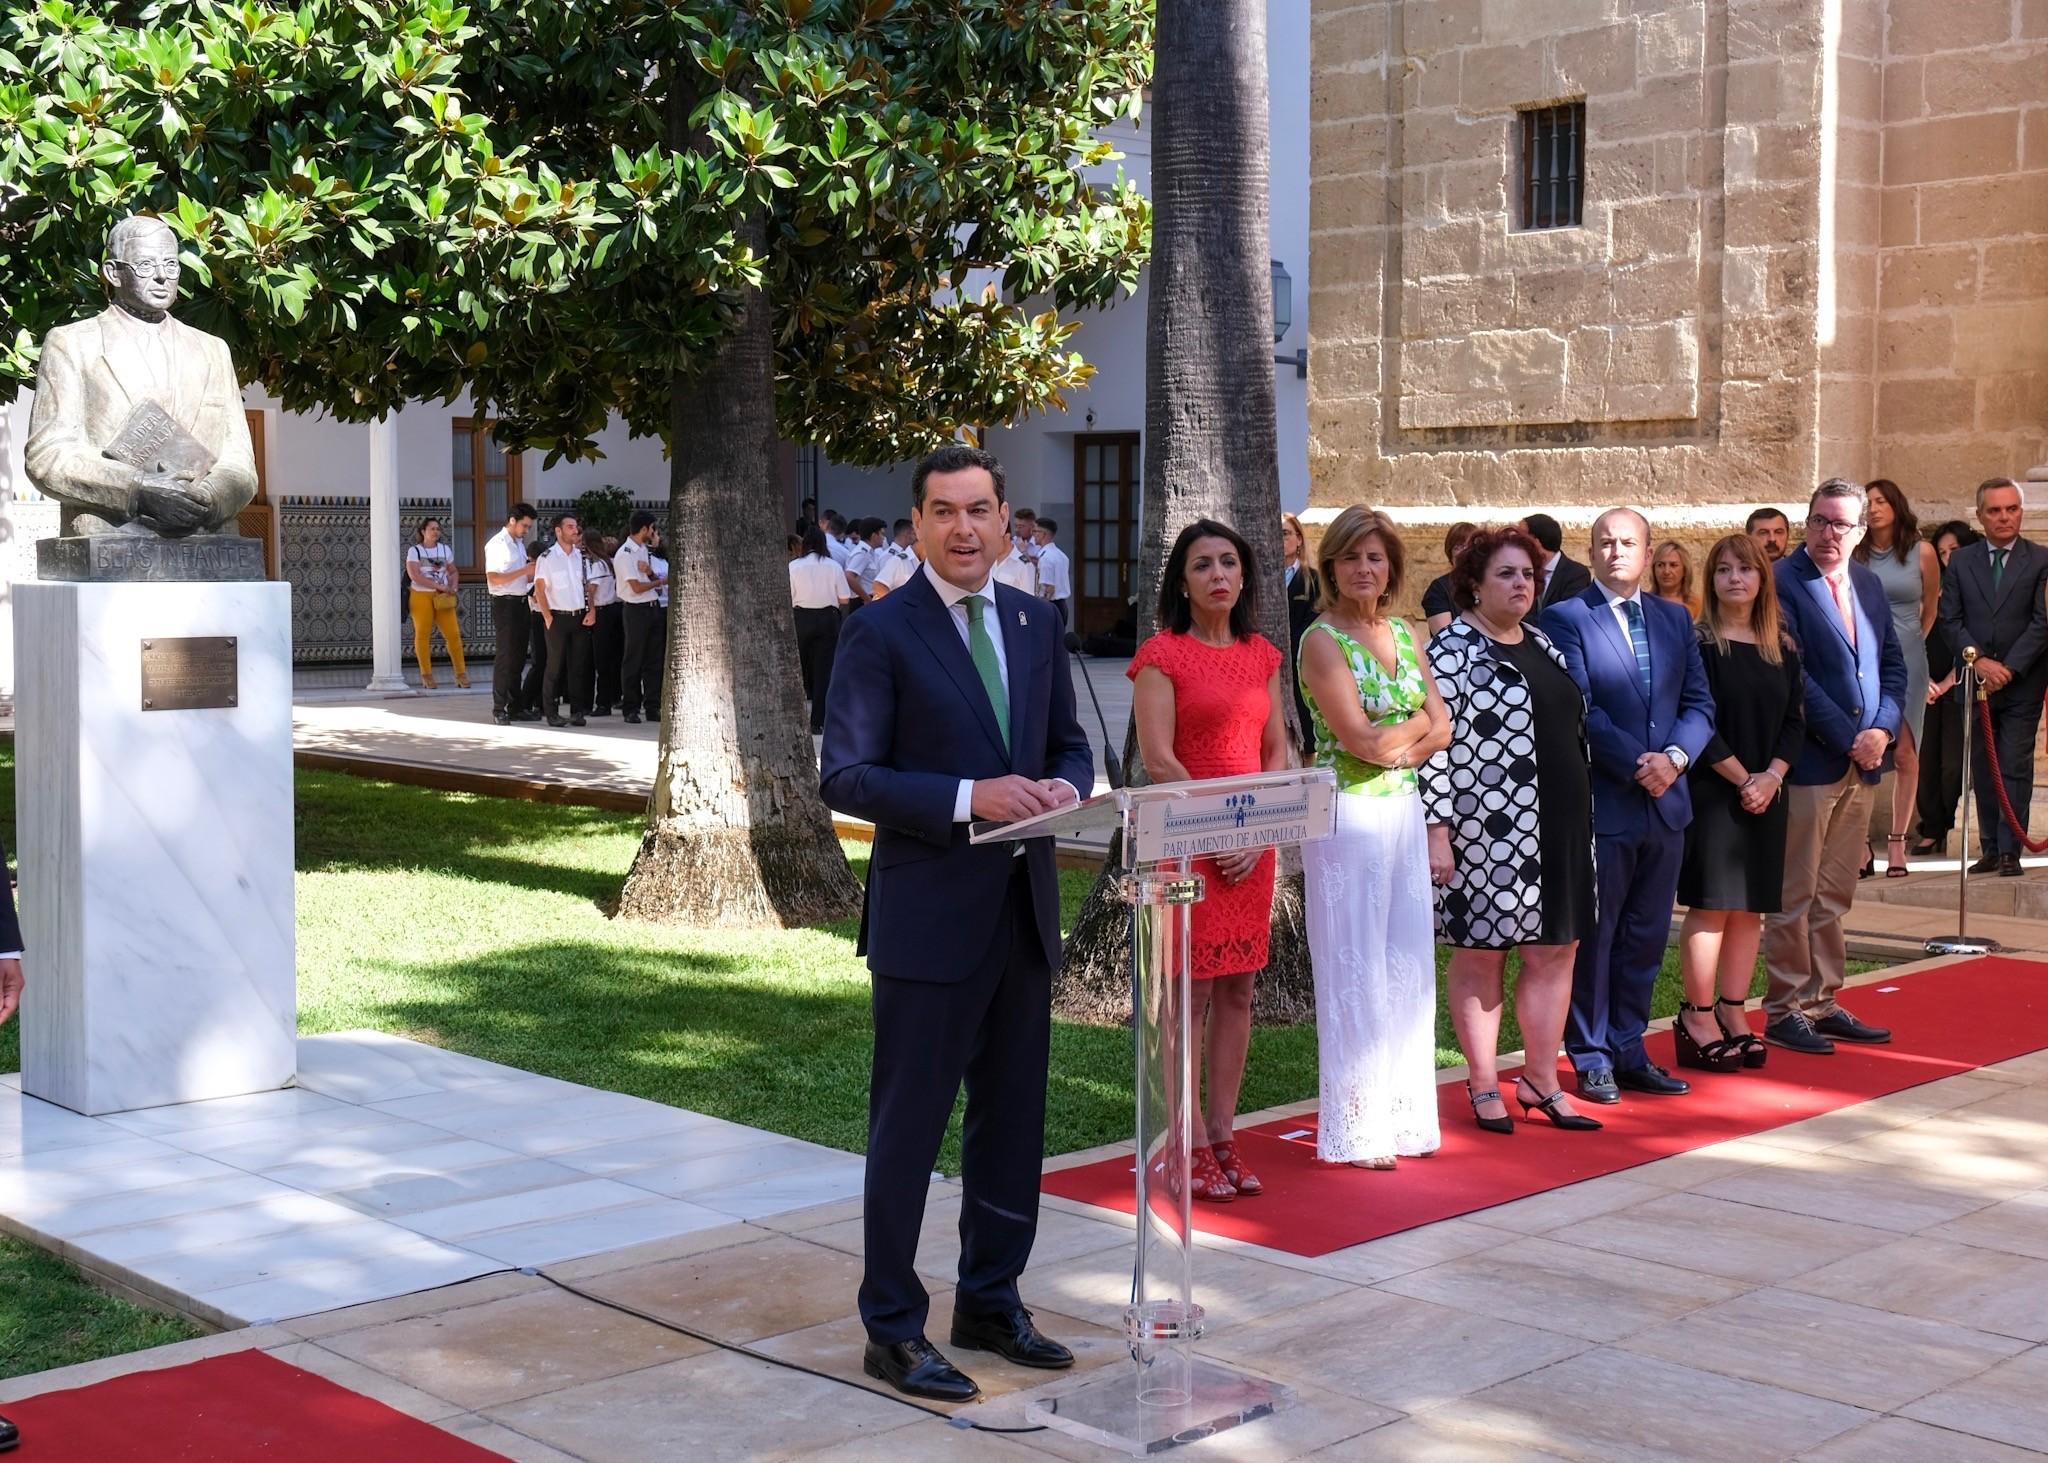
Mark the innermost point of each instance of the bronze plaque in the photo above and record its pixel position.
(189, 673)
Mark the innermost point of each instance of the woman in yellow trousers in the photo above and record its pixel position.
(430, 566)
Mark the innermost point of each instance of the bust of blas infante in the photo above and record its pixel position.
(138, 426)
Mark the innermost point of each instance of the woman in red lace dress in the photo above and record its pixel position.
(1208, 703)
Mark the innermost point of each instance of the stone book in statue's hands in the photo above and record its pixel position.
(152, 441)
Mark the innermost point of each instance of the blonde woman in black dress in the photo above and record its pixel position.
(1734, 868)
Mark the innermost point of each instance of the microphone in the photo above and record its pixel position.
(1111, 763)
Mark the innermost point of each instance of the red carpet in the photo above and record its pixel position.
(1944, 1022)
(226, 1409)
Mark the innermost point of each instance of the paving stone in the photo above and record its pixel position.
(506, 1350)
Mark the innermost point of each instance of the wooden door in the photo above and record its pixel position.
(259, 519)
(1105, 541)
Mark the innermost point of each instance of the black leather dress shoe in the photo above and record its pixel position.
(1013, 1337)
(576, 721)
(1985, 865)
(10, 1436)
(917, 1368)
(1598, 1086)
(1651, 1078)
(502, 718)
(2008, 866)
(1841, 1026)
(558, 721)
(632, 718)
(1796, 1034)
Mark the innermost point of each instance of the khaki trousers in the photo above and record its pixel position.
(1804, 948)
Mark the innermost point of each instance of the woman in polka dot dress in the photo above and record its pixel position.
(1377, 717)
(1510, 825)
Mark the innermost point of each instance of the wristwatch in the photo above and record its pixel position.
(1678, 758)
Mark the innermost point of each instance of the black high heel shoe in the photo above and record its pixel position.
(1571, 1122)
(1724, 1055)
(1754, 1052)
(1501, 1124)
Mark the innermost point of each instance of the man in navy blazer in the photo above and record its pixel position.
(1855, 686)
(951, 701)
(1649, 715)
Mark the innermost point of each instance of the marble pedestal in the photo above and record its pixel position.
(155, 849)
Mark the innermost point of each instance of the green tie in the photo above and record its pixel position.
(1997, 566)
(983, 650)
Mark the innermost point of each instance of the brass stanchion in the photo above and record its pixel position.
(1961, 943)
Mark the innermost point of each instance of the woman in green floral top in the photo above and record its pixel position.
(1376, 716)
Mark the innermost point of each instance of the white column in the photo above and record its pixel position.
(385, 674)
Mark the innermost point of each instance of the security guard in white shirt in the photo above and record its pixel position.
(561, 591)
(509, 573)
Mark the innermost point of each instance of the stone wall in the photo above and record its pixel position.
(1815, 241)
(1961, 375)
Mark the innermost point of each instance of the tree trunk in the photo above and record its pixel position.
(738, 834)
(1210, 447)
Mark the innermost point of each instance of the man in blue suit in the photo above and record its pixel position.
(1855, 686)
(1649, 714)
(951, 701)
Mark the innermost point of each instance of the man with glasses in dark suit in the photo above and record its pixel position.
(1992, 597)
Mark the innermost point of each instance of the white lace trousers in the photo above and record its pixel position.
(1373, 941)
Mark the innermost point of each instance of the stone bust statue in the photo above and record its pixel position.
(137, 427)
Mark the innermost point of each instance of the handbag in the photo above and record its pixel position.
(444, 600)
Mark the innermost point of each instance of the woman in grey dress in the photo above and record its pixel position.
(1911, 575)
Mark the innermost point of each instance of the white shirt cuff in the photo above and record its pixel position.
(10, 955)
(963, 801)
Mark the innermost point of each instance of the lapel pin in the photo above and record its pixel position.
(1021, 620)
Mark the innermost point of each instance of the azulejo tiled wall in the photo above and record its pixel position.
(324, 551)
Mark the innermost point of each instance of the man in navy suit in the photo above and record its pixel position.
(1855, 685)
(951, 702)
(1649, 714)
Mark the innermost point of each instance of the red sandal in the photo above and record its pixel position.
(1209, 1182)
(1241, 1178)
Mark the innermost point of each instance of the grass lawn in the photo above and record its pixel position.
(479, 924)
(50, 1316)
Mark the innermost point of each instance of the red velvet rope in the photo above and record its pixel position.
(2032, 845)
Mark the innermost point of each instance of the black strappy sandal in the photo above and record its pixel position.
(1754, 1052)
(1501, 1124)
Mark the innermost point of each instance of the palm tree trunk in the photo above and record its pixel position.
(738, 834)
(1210, 447)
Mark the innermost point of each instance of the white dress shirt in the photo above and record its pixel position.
(1019, 575)
(1054, 577)
(955, 600)
(839, 549)
(629, 563)
(660, 567)
(861, 564)
(897, 567)
(564, 573)
(502, 554)
(603, 581)
(817, 584)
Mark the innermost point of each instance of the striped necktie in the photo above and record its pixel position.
(1639, 638)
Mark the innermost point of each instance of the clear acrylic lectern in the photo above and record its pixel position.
(1169, 1396)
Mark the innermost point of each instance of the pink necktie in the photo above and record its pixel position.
(1839, 583)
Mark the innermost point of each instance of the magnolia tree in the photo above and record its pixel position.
(715, 222)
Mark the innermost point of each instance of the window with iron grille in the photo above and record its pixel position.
(1553, 166)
